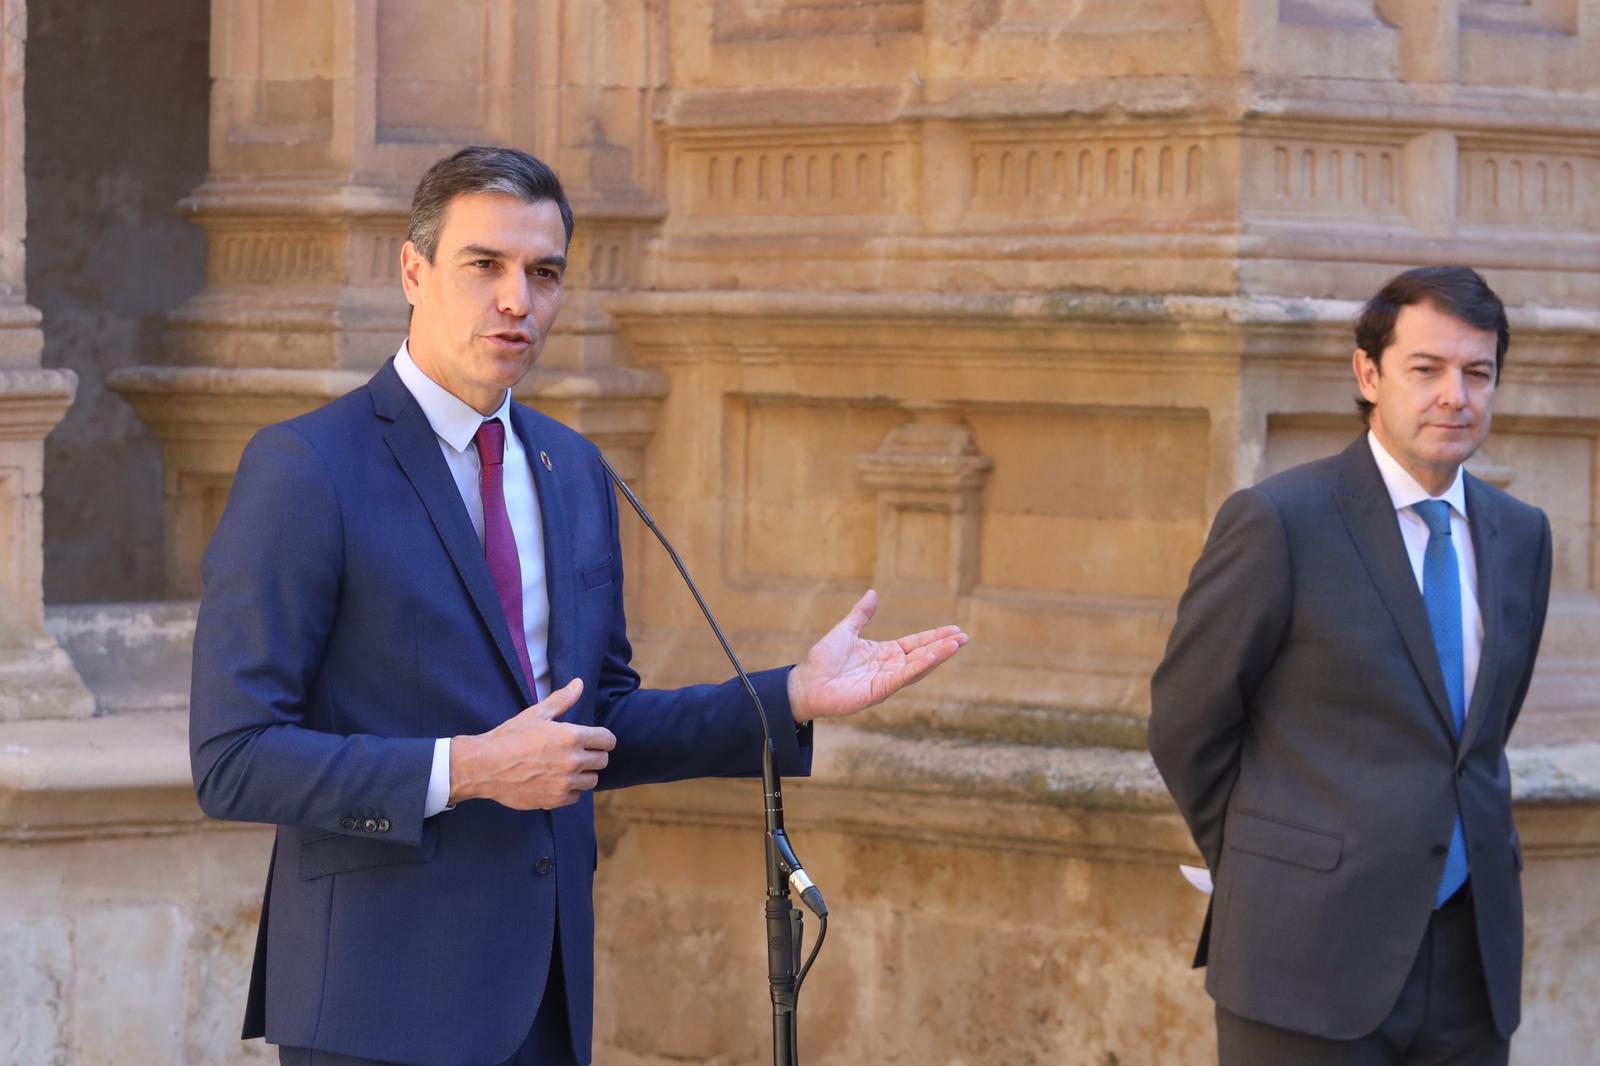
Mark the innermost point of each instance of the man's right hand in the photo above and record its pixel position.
(531, 761)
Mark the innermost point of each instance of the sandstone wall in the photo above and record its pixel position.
(988, 305)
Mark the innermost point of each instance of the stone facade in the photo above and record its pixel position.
(988, 305)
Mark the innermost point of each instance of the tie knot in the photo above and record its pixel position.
(491, 442)
(1436, 513)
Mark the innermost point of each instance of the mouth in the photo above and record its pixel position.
(511, 339)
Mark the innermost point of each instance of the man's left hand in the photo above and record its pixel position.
(845, 673)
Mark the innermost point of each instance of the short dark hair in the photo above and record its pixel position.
(480, 168)
(1457, 291)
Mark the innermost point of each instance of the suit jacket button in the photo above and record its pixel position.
(1438, 850)
(349, 823)
(383, 825)
(544, 865)
(1461, 771)
(370, 825)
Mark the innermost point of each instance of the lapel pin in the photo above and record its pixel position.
(544, 457)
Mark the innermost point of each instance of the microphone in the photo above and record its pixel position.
(799, 881)
(784, 871)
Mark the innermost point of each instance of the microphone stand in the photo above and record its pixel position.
(785, 927)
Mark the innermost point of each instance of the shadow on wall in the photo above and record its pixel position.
(116, 105)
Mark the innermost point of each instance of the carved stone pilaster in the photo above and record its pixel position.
(929, 476)
(203, 417)
(36, 678)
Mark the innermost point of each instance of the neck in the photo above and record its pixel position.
(485, 401)
(1435, 480)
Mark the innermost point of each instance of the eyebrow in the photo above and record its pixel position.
(480, 251)
(1441, 359)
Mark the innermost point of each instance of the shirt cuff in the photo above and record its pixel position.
(438, 780)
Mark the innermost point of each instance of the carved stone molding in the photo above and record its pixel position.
(36, 678)
(928, 475)
(203, 417)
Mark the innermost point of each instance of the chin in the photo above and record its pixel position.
(1455, 455)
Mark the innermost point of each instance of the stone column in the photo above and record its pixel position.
(36, 679)
(323, 118)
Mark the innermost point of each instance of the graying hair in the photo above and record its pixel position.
(480, 168)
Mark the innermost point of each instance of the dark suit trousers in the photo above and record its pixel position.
(1441, 1019)
(549, 1042)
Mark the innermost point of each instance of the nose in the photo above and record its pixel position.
(1453, 388)
(513, 297)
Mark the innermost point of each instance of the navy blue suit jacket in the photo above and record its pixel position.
(348, 620)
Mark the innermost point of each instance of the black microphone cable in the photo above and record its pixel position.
(783, 856)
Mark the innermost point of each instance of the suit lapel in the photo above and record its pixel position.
(416, 448)
(1369, 514)
(1485, 527)
(558, 565)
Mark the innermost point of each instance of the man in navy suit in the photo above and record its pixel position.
(411, 657)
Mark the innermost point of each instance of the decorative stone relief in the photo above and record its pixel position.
(1083, 176)
(1510, 186)
(1346, 180)
(824, 172)
(929, 476)
(274, 257)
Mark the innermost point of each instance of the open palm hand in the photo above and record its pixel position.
(844, 673)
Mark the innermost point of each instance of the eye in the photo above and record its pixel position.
(481, 264)
(547, 273)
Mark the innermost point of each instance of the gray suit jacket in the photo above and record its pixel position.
(1300, 720)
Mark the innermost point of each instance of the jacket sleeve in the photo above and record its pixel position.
(1541, 602)
(1231, 621)
(698, 731)
(271, 576)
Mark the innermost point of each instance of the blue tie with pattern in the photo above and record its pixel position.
(1441, 593)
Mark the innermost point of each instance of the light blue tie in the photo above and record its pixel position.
(1441, 593)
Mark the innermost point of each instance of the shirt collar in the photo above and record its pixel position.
(1404, 489)
(454, 420)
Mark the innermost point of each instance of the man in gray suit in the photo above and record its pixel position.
(1332, 712)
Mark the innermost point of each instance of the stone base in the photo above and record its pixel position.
(37, 681)
(990, 903)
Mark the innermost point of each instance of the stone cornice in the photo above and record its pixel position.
(128, 775)
(1027, 309)
(122, 775)
(33, 399)
(1079, 801)
(1229, 102)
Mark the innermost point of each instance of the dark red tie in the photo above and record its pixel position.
(499, 543)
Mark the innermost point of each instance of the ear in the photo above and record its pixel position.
(412, 265)
(1367, 374)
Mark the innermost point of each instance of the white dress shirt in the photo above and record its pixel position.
(455, 423)
(1405, 491)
